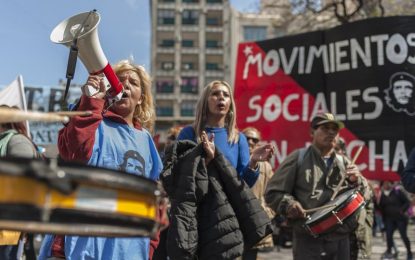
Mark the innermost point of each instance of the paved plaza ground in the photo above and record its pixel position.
(378, 247)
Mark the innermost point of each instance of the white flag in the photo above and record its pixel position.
(13, 95)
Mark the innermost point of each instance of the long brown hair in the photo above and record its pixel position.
(202, 110)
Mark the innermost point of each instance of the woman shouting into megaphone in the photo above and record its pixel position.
(115, 137)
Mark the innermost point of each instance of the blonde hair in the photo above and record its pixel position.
(202, 110)
(144, 113)
(174, 132)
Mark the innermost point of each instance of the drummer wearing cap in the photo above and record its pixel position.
(307, 179)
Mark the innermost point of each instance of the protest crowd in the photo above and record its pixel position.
(224, 199)
(211, 189)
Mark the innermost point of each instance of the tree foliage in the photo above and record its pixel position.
(343, 10)
(308, 15)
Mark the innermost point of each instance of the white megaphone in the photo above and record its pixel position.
(82, 29)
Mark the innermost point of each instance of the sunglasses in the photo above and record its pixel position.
(255, 140)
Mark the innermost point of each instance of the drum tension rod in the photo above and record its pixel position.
(311, 231)
(335, 214)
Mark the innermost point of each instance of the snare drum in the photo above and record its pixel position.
(39, 197)
(343, 206)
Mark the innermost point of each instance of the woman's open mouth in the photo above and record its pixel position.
(221, 106)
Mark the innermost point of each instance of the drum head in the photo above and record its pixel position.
(336, 204)
(67, 198)
(64, 176)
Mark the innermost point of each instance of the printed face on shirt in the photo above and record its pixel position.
(133, 163)
(219, 100)
(132, 93)
(325, 136)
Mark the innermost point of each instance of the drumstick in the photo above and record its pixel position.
(74, 113)
(344, 175)
(8, 115)
(357, 154)
(318, 208)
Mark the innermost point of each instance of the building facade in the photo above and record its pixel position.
(190, 47)
(194, 42)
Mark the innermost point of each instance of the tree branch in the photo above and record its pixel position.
(360, 5)
(323, 9)
(382, 9)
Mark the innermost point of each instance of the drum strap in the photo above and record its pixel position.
(301, 157)
(301, 154)
(341, 165)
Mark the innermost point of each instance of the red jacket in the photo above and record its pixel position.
(76, 140)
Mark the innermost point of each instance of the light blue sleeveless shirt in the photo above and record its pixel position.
(120, 147)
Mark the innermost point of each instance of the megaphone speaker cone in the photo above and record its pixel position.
(65, 31)
(84, 28)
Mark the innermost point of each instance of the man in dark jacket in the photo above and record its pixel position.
(394, 205)
(214, 214)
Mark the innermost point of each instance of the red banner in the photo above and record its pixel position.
(353, 71)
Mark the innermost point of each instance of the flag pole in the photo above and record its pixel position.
(23, 95)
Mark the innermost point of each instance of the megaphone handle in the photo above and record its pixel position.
(113, 80)
(91, 91)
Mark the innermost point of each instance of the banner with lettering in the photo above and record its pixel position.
(47, 99)
(363, 72)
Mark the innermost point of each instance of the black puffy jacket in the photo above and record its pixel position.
(214, 214)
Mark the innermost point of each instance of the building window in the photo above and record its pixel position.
(212, 21)
(190, 17)
(164, 86)
(212, 66)
(187, 43)
(190, 1)
(187, 109)
(209, 80)
(212, 44)
(168, 1)
(167, 43)
(165, 17)
(189, 85)
(214, 1)
(167, 65)
(187, 65)
(164, 110)
(255, 33)
(278, 32)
